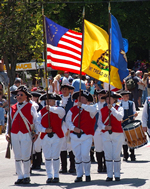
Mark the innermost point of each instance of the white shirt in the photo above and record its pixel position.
(125, 105)
(118, 114)
(89, 108)
(56, 110)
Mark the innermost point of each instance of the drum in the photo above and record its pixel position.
(134, 134)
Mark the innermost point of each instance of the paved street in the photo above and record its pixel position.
(133, 174)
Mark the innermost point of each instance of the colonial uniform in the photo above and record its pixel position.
(112, 142)
(129, 111)
(22, 117)
(67, 103)
(81, 144)
(98, 137)
(51, 142)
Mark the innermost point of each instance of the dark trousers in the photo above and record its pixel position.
(134, 95)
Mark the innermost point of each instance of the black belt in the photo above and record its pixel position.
(50, 135)
(81, 133)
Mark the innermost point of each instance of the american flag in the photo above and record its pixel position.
(63, 47)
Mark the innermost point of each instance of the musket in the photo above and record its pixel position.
(7, 155)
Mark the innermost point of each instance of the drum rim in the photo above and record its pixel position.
(139, 145)
(125, 129)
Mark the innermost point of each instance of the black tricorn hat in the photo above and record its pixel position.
(67, 85)
(112, 94)
(50, 96)
(84, 93)
(35, 94)
(102, 91)
(41, 91)
(125, 93)
(22, 88)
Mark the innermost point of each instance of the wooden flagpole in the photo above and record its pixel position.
(45, 57)
(109, 50)
(79, 134)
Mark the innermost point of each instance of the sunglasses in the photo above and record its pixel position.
(19, 95)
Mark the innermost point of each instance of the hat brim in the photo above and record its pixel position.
(27, 93)
(76, 95)
(125, 93)
(35, 94)
(114, 95)
(101, 92)
(70, 87)
(50, 96)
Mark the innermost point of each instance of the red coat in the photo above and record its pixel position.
(18, 123)
(55, 123)
(116, 125)
(86, 122)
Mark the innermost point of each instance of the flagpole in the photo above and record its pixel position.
(83, 14)
(109, 50)
(45, 58)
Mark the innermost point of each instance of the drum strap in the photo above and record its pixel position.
(107, 119)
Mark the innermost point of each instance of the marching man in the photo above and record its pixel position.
(112, 136)
(81, 135)
(23, 116)
(52, 135)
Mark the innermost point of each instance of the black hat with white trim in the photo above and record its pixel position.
(84, 93)
(50, 96)
(125, 93)
(112, 94)
(68, 86)
(22, 88)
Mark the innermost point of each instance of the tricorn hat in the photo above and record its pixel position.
(35, 94)
(22, 88)
(125, 93)
(102, 91)
(112, 94)
(67, 85)
(84, 93)
(50, 96)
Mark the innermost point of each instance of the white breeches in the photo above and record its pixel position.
(112, 147)
(98, 143)
(51, 149)
(21, 144)
(37, 145)
(81, 149)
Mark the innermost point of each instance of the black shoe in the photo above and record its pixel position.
(78, 179)
(72, 171)
(63, 171)
(125, 159)
(137, 109)
(19, 181)
(109, 179)
(26, 180)
(55, 180)
(99, 170)
(49, 180)
(133, 159)
(117, 178)
(88, 178)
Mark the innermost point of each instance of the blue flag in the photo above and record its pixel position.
(118, 52)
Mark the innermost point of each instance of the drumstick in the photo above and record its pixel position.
(148, 134)
(129, 117)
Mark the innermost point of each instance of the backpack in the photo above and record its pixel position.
(130, 84)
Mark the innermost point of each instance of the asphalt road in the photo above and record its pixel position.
(133, 174)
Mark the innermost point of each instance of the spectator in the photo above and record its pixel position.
(51, 85)
(92, 87)
(141, 87)
(56, 83)
(65, 78)
(134, 92)
(13, 88)
(76, 83)
(148, 84)
(145, 79)
(2, 118)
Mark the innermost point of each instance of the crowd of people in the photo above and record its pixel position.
(68, 122)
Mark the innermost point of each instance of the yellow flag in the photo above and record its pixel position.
(95, 55)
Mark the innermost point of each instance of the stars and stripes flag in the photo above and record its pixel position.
(63, 47)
